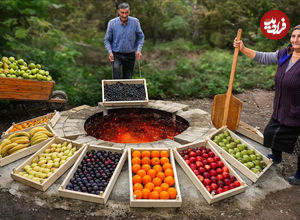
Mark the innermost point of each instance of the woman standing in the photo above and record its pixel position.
(283, 129)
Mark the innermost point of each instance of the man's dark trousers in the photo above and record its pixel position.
(126, 60)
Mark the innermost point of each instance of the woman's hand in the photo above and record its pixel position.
(238, 44)
(247, 51)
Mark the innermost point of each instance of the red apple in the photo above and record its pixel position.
(208, 188)
(188, 162)
(198, 152)
(213, 173)
(186, 156)
(193, 159)
(192, 154)
(231, 186)
(213, 179)
(221, 183)
(202, 148)
(206, 174)
(185, 151)
(206, 182)
(211, 154)
(207, 167)
(214, 165)
(225, 175)
(220, 164)
(200, 177)
(219, 177)
(210, 160)
(199, 164)
(216, 158)
(227, 181)
(199, 158)
(196, 172)
(237, 183)
(232, 178)
(226, 188)
(213, 186)
(220, 190)
(225, 169)
(189, 150)
(219, 170)
(201, 169)
(205, 155)
(205, 162)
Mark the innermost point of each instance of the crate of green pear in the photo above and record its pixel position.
(12, 68)
(20, 144)
(240, 154)
(94, 174)
(43, 168)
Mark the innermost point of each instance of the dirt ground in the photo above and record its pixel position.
(257, 109)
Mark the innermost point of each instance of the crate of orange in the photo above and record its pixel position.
(153, 178)
(50, 118)
(209, 171)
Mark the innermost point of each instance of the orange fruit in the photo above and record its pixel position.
(164, 195)
(149, 186)
(137, 186)
(156, 181)
(146, 153)
(154, 195)
(167, 166)
(135, 168)
(157, 168)
(164, 153)
(157, 189)
(147, 179)
(151, 173)
(172, 192)
(136, 160)
(164, 186)
(141, 173)
(155, 161)
(155, 153)
(164, 160)
(138, 194)
(146, 160)
(169, 172)
(161, 175)
(136, 179)
(169, 180)
(136, 154)
(146, 167)
(146, 193)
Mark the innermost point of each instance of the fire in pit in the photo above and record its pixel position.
(135, 125)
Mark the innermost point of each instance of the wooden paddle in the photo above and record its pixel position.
(227, 108)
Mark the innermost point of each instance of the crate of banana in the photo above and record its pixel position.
(50, 162)
(20, 144)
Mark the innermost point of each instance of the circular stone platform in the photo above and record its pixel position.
(71, 126)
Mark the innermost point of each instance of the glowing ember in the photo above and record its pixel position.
(134, 126)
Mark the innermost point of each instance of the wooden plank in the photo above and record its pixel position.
(250, 132)
(125, 103)
(154, 202)
(55, 116)
(103, 197)
(234, 162)
(208, 197)
(26, 151)
(25, 89)
(45, 184)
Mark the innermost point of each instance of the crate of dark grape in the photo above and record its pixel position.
(244, 157)
(209, 171)
(94, 174)
(124, 92)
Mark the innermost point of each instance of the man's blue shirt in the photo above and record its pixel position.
(124, 38)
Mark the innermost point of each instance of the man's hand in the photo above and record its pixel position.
(111, 57)
(138, 55)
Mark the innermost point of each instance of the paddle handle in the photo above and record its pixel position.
(232, 74)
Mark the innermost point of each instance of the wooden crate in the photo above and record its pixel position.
(44, 185)
(208, 197)
(52, 122)
(233, 161)
(25, 89)
(154, 202)
(26, 151)
(103, 197)
(125, 103)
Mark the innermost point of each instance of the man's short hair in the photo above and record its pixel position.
(123, 5)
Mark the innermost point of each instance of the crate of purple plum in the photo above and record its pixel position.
(125, 92)
(94, 174)
(209, 171)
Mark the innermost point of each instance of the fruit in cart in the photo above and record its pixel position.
(94, 172)
(213, 174)
(41, 166)
(240, 151)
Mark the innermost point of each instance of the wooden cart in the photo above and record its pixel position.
(32, 90)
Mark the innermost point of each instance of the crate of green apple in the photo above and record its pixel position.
(94, 174)
(209, 171)
(240, 154)
(43, 168)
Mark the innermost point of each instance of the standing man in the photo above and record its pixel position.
(124, 40)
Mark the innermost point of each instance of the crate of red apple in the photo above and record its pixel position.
(209, 171)
(125, 92)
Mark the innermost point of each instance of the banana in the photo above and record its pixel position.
(36, 129)
(6, 148)
(36, 141)
(48, 133)
(3, 143)
(22, 133)
(35, 137)
(20, 140)
(17, 148)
